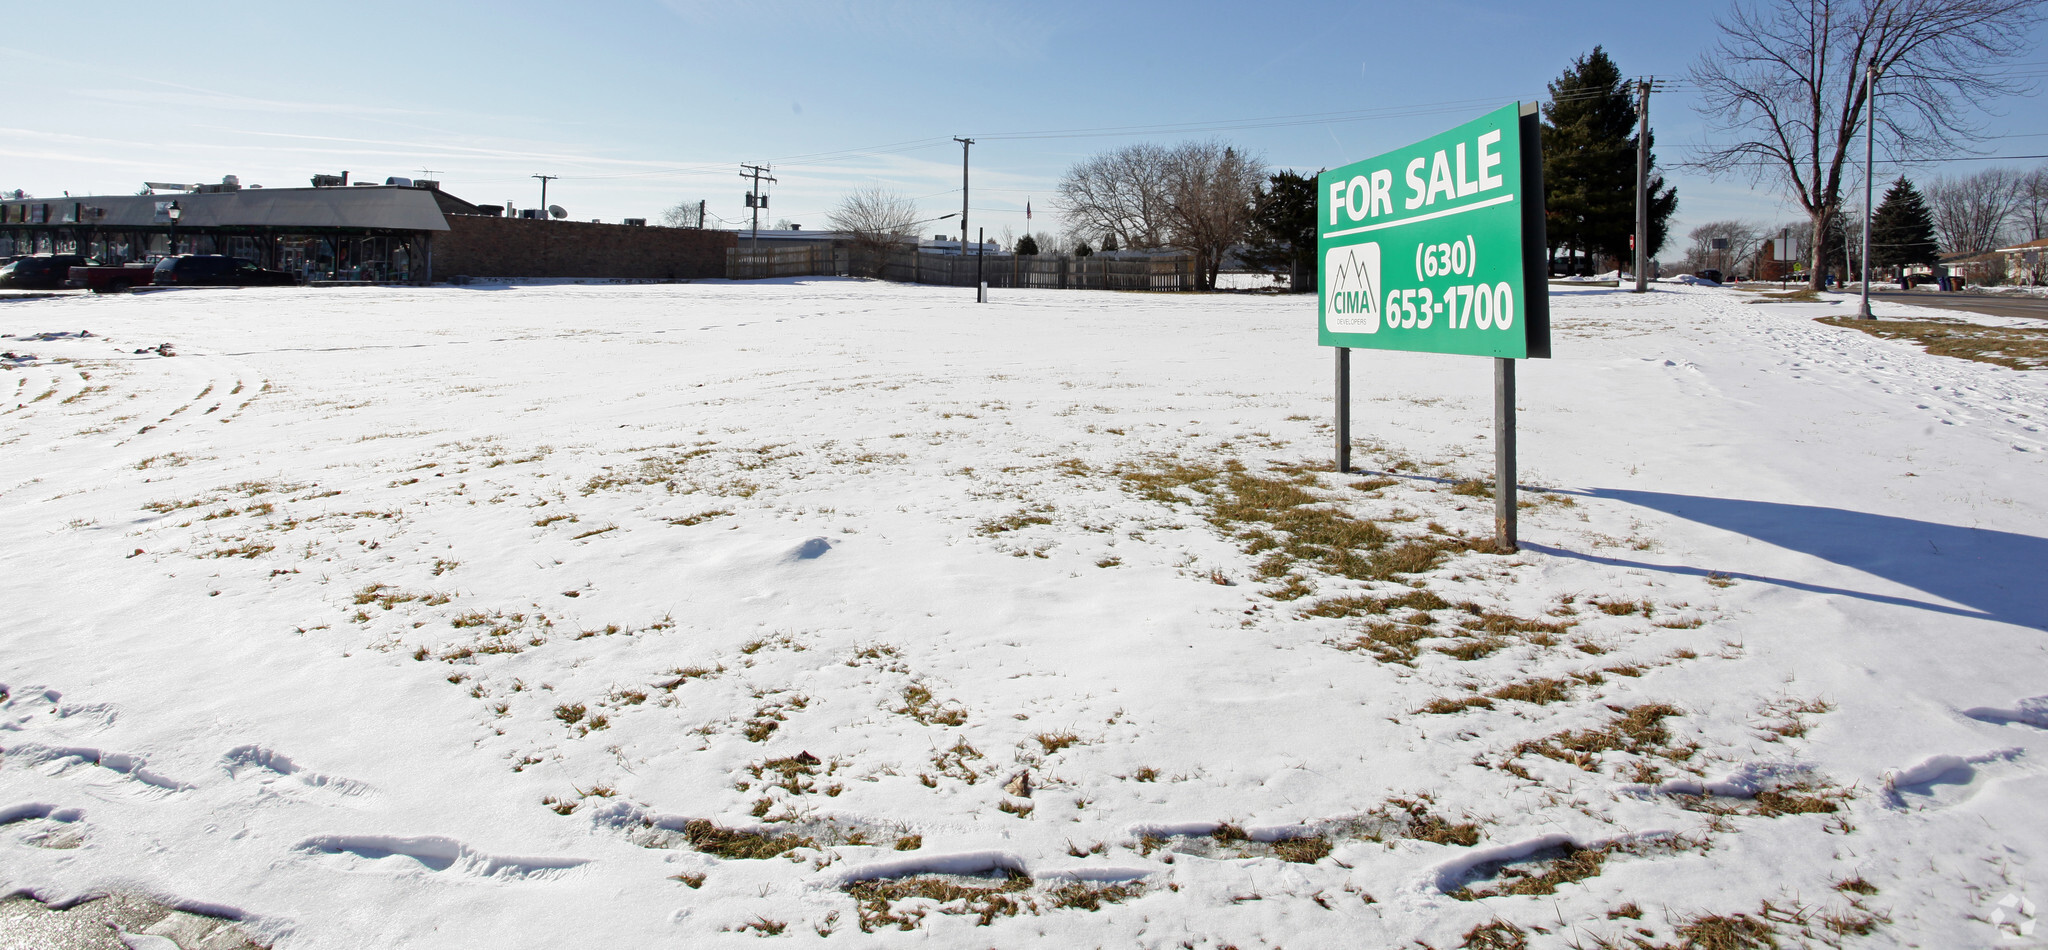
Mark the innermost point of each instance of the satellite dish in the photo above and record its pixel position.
(557, 211)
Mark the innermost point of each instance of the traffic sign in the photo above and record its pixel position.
(1438, 247)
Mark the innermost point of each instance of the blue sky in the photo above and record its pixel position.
(641, 104)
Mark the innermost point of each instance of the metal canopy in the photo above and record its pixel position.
(375, 207)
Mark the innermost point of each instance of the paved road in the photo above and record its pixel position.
(1997, 305)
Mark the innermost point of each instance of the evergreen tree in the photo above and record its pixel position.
(1083, 250)
(1902, 231)
(1589, 165)
(1283, 231)
(1027, 245)
(1109, 242)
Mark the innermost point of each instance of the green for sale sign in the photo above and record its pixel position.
(1438, 247)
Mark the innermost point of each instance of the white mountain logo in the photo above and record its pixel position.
(1351, 289)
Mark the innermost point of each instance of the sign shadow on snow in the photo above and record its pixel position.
(1994, 575)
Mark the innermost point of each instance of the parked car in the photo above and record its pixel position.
(41, 271)
(112, 278)
(215, 270)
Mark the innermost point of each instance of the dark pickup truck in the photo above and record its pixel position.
(40, 271)
(214, 270)
(112, 278)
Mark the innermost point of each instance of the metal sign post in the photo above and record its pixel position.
(1438, 247)
(1343, 409)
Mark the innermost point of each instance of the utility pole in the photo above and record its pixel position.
(1642, 242)
(756, 200)
(544, 179)
(1869, 149)
(965, 144)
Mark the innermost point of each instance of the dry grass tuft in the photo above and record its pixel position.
(921, 705)
(1091, 897)
(1353, 605)
(952, 894)
(1639, 731)
(1445, 705)
(1052, 742)
(1496, 934)
(729, 843)
(1539, 690)
(1567, 864)
(1304, 850)
(1389, 642)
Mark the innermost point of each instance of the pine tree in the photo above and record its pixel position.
(1109, 242)
(1027, 245)
(1902, 231)
(1083, 250)
(1283, 231)
(1589, 164)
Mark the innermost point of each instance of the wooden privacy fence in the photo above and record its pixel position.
(1174, 270)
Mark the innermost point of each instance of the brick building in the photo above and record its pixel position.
(392, 233)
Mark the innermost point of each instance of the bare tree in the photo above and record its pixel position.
(1215, 191)
(875, 220)
(1053, 244)
(2032, 217)
(1744, 239)
(1787, 78)
(686, 214)
(1971, 212)
(1121, 192)
(1198, 195)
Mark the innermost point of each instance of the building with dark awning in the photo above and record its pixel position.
(369, 233)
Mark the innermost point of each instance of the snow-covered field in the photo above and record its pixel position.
(581, 616)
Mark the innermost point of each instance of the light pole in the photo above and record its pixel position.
(544, 179)
(174, 213)
(1869, 149)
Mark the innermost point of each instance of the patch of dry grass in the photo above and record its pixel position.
(1639, 731)
(957, 895)
(739, 845)
(2021, 348)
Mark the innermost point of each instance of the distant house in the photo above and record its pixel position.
(940, 244)
(1983, 268)
(2026, 263)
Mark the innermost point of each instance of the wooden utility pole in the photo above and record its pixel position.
(757, 201)
(965, 144)
(1642, 241)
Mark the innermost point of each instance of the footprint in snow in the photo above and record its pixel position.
(810, 550)
(268, 767)
(2032, 711)
(1941, 780)
(436, 854)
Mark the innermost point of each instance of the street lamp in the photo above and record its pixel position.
(1869, 147)
(174, 213)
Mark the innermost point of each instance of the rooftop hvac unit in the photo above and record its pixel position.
(328, 181)
(532, 214)
(426, 183)
(635, 222)
(400, 182)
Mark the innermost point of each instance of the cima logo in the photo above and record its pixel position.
(2014, 916)
(1351, 289)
